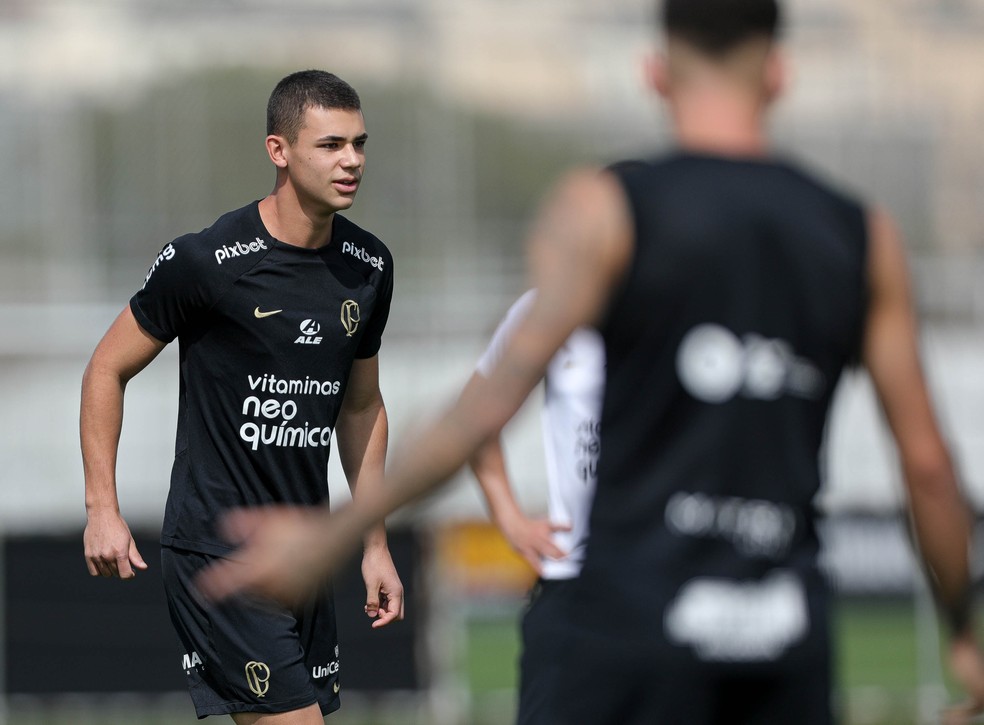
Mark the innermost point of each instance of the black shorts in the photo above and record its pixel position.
(245, 655)
(626, 685)
(610, 677)
(543, 630)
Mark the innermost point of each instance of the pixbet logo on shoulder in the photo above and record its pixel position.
(239, 249)
(360, 253)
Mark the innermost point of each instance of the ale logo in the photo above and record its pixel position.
(309, 333)
(258, 678)
(350, 317)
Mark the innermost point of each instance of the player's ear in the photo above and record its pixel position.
(276, 147)
(656, 71)
(776, 75)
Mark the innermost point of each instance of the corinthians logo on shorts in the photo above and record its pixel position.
(258, 678)
(350, 317)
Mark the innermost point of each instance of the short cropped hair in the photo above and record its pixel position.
(302, 90)
(716, 27)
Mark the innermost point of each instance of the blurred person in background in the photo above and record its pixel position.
(554, 547)
(279, 308)
(732, 287)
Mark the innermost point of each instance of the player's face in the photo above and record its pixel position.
(326, 163)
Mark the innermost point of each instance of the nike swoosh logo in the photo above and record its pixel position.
(261, 315)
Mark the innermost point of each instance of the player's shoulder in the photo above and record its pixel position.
(235, 234)
(807, 177)
(653, 164)
(361, 248)
(233, 242)
(521, 307)
(641, 176)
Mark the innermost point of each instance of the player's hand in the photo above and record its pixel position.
(109, 547)
(533, 539)
(285, 553)
(384, 590)
(967, 666)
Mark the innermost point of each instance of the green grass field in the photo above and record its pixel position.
(877, 674)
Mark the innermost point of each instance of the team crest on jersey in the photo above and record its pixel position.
(309, 333)
(350, 317)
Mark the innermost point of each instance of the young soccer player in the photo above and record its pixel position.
(278, 309)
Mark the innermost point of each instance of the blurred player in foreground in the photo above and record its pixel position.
(279, 308)
(573, 386)
(731, 288)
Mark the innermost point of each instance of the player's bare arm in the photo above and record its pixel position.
(531, 538)
(580, 247)
(124, 351)
(941, 519)
(362, 432)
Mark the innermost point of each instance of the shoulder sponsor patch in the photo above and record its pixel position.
(361, 253)
(238, 249)
(165, 254)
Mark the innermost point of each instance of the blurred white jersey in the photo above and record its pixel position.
(574, 387)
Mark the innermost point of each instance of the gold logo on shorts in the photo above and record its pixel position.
(258, 678)
(350, 316)
(336, 687)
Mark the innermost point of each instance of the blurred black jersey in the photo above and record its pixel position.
(744, 300)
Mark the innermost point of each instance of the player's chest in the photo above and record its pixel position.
(289, 314)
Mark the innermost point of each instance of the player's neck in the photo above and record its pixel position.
(288, 221)
(720, 123)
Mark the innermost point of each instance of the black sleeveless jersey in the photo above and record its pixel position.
(743, 302)
(267, 335)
